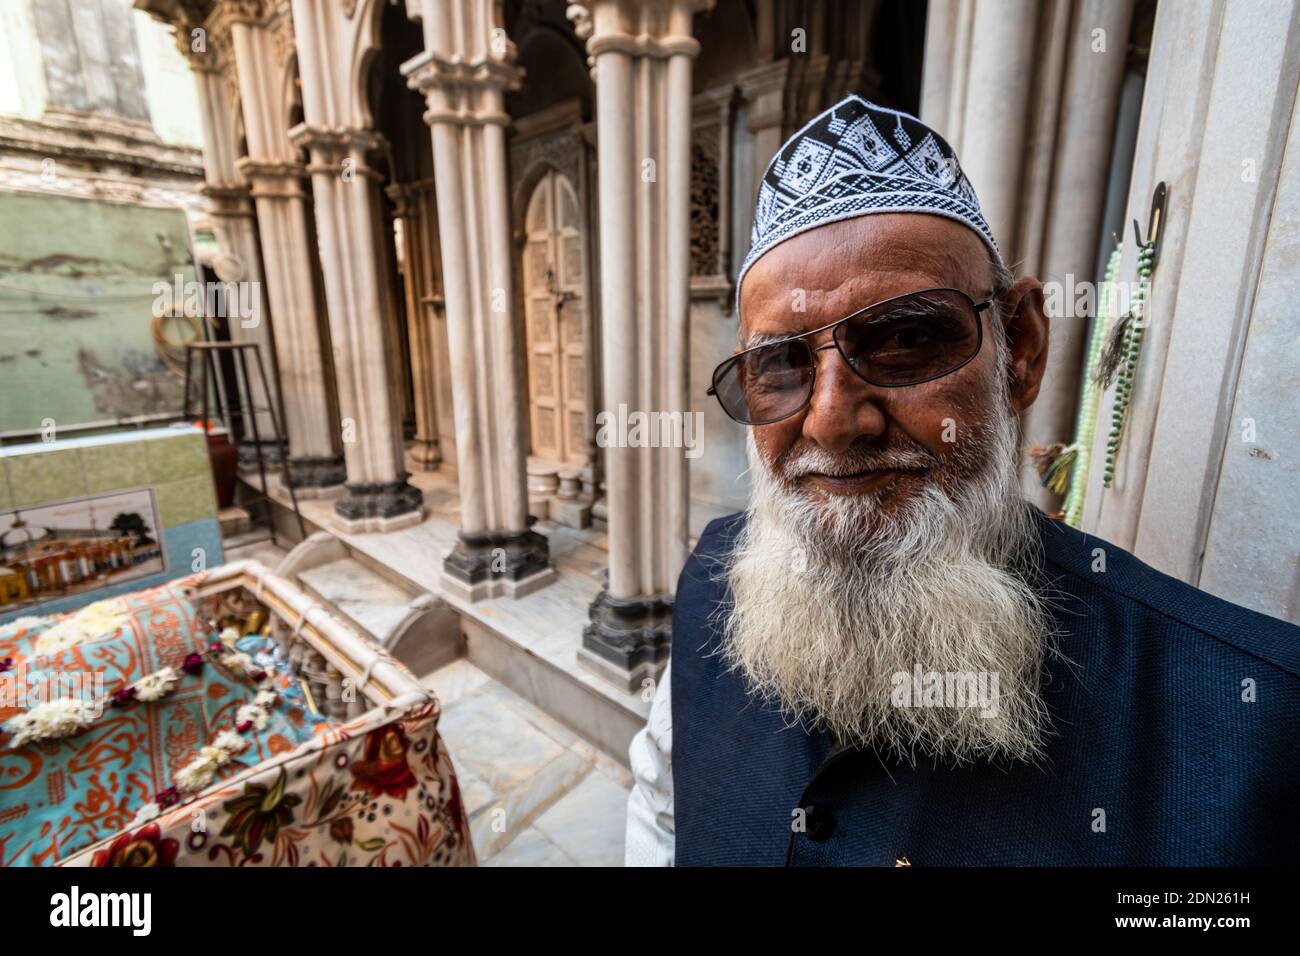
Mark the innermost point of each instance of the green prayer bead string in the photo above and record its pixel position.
(1090, 395)
(1132, 345)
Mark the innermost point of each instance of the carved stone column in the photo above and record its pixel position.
(333, 43)
(348, 217)
(262, 35)
(642, 55)
(315, 465)
(464, 72)
(232, 217)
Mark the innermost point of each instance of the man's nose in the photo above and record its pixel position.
(843, 408)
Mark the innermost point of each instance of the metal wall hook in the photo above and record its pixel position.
(1154, 223)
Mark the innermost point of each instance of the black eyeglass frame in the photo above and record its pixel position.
(726, 365)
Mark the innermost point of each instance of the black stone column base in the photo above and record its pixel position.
(627, 639)
(272, 455)
(379, 506)
(322, 472)
(491, 563)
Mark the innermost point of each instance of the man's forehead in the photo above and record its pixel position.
(826, 273)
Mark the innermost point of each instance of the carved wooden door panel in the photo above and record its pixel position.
(555, 313)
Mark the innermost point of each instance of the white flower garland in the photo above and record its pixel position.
(52, 718)
(202, 770)
(157, 685)
(92, 621)
(66, 716)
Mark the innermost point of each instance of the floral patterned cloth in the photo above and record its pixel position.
(58, 796)
(379, 791)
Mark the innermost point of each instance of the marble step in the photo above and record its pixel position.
(418, 631)
(367, 599)
(536, 793)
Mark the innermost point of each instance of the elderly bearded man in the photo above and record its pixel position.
(1104, 714)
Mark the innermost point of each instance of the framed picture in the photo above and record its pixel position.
(57, 550)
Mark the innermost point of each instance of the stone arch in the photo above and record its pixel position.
(369, 15)
(525, 183)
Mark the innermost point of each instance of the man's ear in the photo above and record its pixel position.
(1026, 323)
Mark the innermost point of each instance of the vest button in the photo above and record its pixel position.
(821, 822)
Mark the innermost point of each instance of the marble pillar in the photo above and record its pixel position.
(1027, 94)
(348, 217)
(235, 227)
(642, 56)
(335, 43)
(1063, 250)
(997, 96)
(315, 466)
(262, 37)
(464, 71)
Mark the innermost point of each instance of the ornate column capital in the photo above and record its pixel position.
(331, 147)
(655, 28)
(342, 139)
(276, 180)
(251, 12)
(453, 87)
(228, 201)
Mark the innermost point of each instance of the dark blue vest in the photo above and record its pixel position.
(1150, 727)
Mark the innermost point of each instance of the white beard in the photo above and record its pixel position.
(834, 598)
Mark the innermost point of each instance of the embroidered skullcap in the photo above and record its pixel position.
(853, 160)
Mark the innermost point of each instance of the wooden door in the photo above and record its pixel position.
(555, 312)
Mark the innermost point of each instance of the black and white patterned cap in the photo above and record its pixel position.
(853, 160)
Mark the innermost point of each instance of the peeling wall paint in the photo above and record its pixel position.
(76, 296)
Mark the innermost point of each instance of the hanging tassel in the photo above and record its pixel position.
(1112, 356)
(1057, 477)
(1053, 464)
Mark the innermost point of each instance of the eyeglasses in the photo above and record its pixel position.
(902, 341)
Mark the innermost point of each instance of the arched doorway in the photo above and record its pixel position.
(555, 310)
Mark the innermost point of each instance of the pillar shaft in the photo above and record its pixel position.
(315, 461)
(996, 109)
(463, 72)
(333, 43)
(1066, 253)
(1027, 94)
(642, 57)
(272, 169)
(236, 233)
(348, 217)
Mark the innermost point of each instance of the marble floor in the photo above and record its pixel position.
(536, 794)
